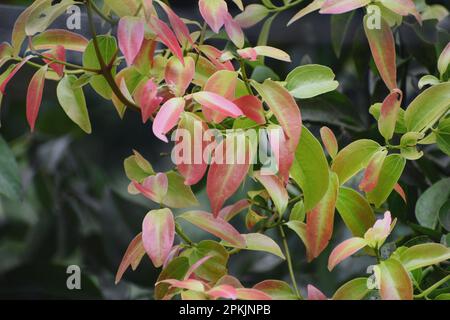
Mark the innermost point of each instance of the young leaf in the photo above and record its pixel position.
(313, 6)
(354, 157)
(217, 103)
(389, 113)
(444, 60)
(166, 36)
(355, 210)
(179, 195)
(310, 80)
(158, 233)
(123, 7)
(180, 28)
(146, 96)
(215, 267)
(168, 117)
(382, 45)
(329, 141)
(44, 14)
(34, 95)
(234, 31)
(300, 229)
(355, 289)
(391, 171)
(402, 7)
(342, 6)
(214, 12)
(373, 170)
(216, 226)
(57, 53)
(223, 291)
(179, 76)
(345, 250)
(276, 189)
(154, 187)
(130, 33)
(315, 294)
(50, 39)
(251, 294)
(319, 221)
(310, 169)
(428, 107)
(73, 102)
(132, 257)
(252, 108)
(229, 212)
(283, 156)
(259, 242)
(252, 14)
(11, 74)
(395, 283)
(176, 269)
(423, 255)
(278, 290)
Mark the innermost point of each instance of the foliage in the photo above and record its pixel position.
(178, 74)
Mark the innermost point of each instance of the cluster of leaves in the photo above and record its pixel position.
(189, 80)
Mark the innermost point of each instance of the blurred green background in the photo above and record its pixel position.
(74, 207)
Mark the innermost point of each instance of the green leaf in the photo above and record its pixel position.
(443, 136)
(216, 266)
(259, 242)
(298, 212)
(73, 102)
(276, 189)
(391, 171)
(310, 169)
(428, 107)
(299, 228)
(355, 289)
(353, 158)
(395, 283)
(400, 126)
(429, 203)
(10, 184)
(340, 23)
(137, 168)
(178, 194)
(355, 210)
(310, 80)
(123, 7)
(44, 14)
(108, 47)
(176, 269)
(428, 80)
(423, 255)
(444, 215)
(278, 290)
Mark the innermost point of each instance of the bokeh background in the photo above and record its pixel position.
(74, 207)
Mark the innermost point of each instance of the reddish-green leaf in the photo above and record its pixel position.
(382, 45)
(34, 95)
(355, 289)
(168, 117)
(176, 269)
(319, 221)
(402, 7)
(252, 108)
(341, 6)
(252, 14)
(154, 187)
(180, 28)
(389, 113)
(146, 97)
(49, 39)
(178, 76)
(158, 233)
(395, 283)
(234, 31)
(132, 257)
(166, 36)
(252, 294)
(276, 189)
(315, 294)
(423, 255)
(373, 170)
(216, 226)
(215, 102)
(16, 68)
(229, 212)
(223, 291)
(278, 290)
(329, 141)
(259, 242)
(214, 12)
(345, 250)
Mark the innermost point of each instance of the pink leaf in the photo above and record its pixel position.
(234, 31)
(167, 117)
(372, 173)
(225, 177)
(389, 113)
(217, 103)
(382, 45)
(154, 187)
(189, 284)
(248, 53)
(265, 51)
(132, 256)
(319, 222)
(223, 291)
(376, 235)
(58, 53)
(130, 33)
(146, 97)
(34, 95)
(398, 188)
(166, 35)
(284, 156)
(213, 54)
(229, 212)
(345, 250)
(315, 294)
(276, 189)
(178, 76)
(158, 233)
(252, 294)
(329, 141)
(12, 74)
(214, 12)
(180, 28)
(216, 226)
(341, 6)
(252, 108)
(189, 137)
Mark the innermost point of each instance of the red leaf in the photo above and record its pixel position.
(132, 256)
(252, 108)
(389, 113)
(398, 188)
(34, 95)
(12, 74)
(168, 117)
(315, 294)
(166, 35)
(146, 96)
(130, 34)
(180, 28)
(372, 173)
(158, 233)
(58, 53)
(154, 187)
(229, 212)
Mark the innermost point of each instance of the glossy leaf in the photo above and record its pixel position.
(259, 242)
(252, 108)
(167, 37)
(217, 103)
(429, 203)
(12, 73)
(179, 195)
(252, 14)
(214, 12)
(355, 289)
(154, 187)
(50, 39)
(216, 226)
(276, 190)
(137, 168)
(229, 212)
(341, 6)
(310, 80)
(428, 107)
(355, 210)
(310, 169)
(423, 255)
(234, 31)
(178, 76)
(389, 113)
(345, 250)
(373, 171)
(146, 96)
(168, 117)
(158, 234)
(395, 283)
(34, 95)
(130, 33)
(178, 25)
(320, 220)
(278, 290)
(391, 171)
(300, 229)
(313, 6)
(329, 141)
(73, 103)
(382, 45)
(353, 158)
(444, 60)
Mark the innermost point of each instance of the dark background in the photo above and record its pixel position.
(75, 208)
